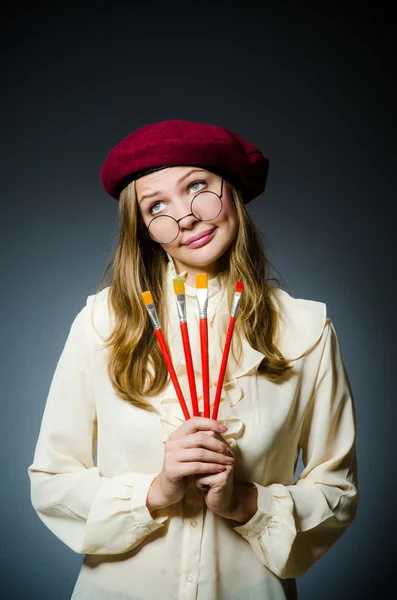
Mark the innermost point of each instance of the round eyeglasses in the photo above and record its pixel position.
(205, 206)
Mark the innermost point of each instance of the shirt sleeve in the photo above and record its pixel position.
(296, 524)
(90, 513)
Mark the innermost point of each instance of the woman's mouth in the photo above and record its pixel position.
(204, 238)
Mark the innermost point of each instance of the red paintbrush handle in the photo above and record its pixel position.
(189, 368)
(171, 371)
(222, 370)
(204, 366)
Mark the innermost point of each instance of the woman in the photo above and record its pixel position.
(195, 508)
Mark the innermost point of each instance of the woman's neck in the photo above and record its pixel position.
(189, 272)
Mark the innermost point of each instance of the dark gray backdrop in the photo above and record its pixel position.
(314, 88)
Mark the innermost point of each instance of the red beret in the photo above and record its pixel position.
(175, 143)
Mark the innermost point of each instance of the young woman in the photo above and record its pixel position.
(195, 508)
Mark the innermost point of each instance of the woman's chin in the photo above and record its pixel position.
(205, 255)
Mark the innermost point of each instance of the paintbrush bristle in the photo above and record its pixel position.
(179, 285)
(239, 286)
(147, 297)
(201, 280)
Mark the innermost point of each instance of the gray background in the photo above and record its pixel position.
(314, 88)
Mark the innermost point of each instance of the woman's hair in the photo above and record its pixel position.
(136, 366)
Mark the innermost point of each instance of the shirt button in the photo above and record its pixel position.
(194, 523)
(189, 579)
(244, 533)
(153, 528)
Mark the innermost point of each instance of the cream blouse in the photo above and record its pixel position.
(186, 552)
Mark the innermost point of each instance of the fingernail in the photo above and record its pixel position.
(222, 428)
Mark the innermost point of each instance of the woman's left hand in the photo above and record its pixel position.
(218, 489)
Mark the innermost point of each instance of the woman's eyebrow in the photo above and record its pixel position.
(180, 180)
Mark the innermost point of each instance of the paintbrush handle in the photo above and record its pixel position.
(172, 373)
(222, 369)
(204, 366)
(189, 367)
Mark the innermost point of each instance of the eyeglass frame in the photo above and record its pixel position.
(190, 214)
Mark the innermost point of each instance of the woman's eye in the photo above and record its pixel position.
(153, 210)
(194, 186)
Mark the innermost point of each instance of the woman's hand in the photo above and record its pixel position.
(195, 448)
(218, 488)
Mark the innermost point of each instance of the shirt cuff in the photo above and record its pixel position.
(261, 519)
(142, 515)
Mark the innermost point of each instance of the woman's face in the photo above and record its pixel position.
(171, 191)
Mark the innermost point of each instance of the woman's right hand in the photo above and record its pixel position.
(192, 449)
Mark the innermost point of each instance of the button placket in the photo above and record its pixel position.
(193, 513)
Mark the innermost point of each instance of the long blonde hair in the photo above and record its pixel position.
(136, 366)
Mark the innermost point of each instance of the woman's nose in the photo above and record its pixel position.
(187, 221)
